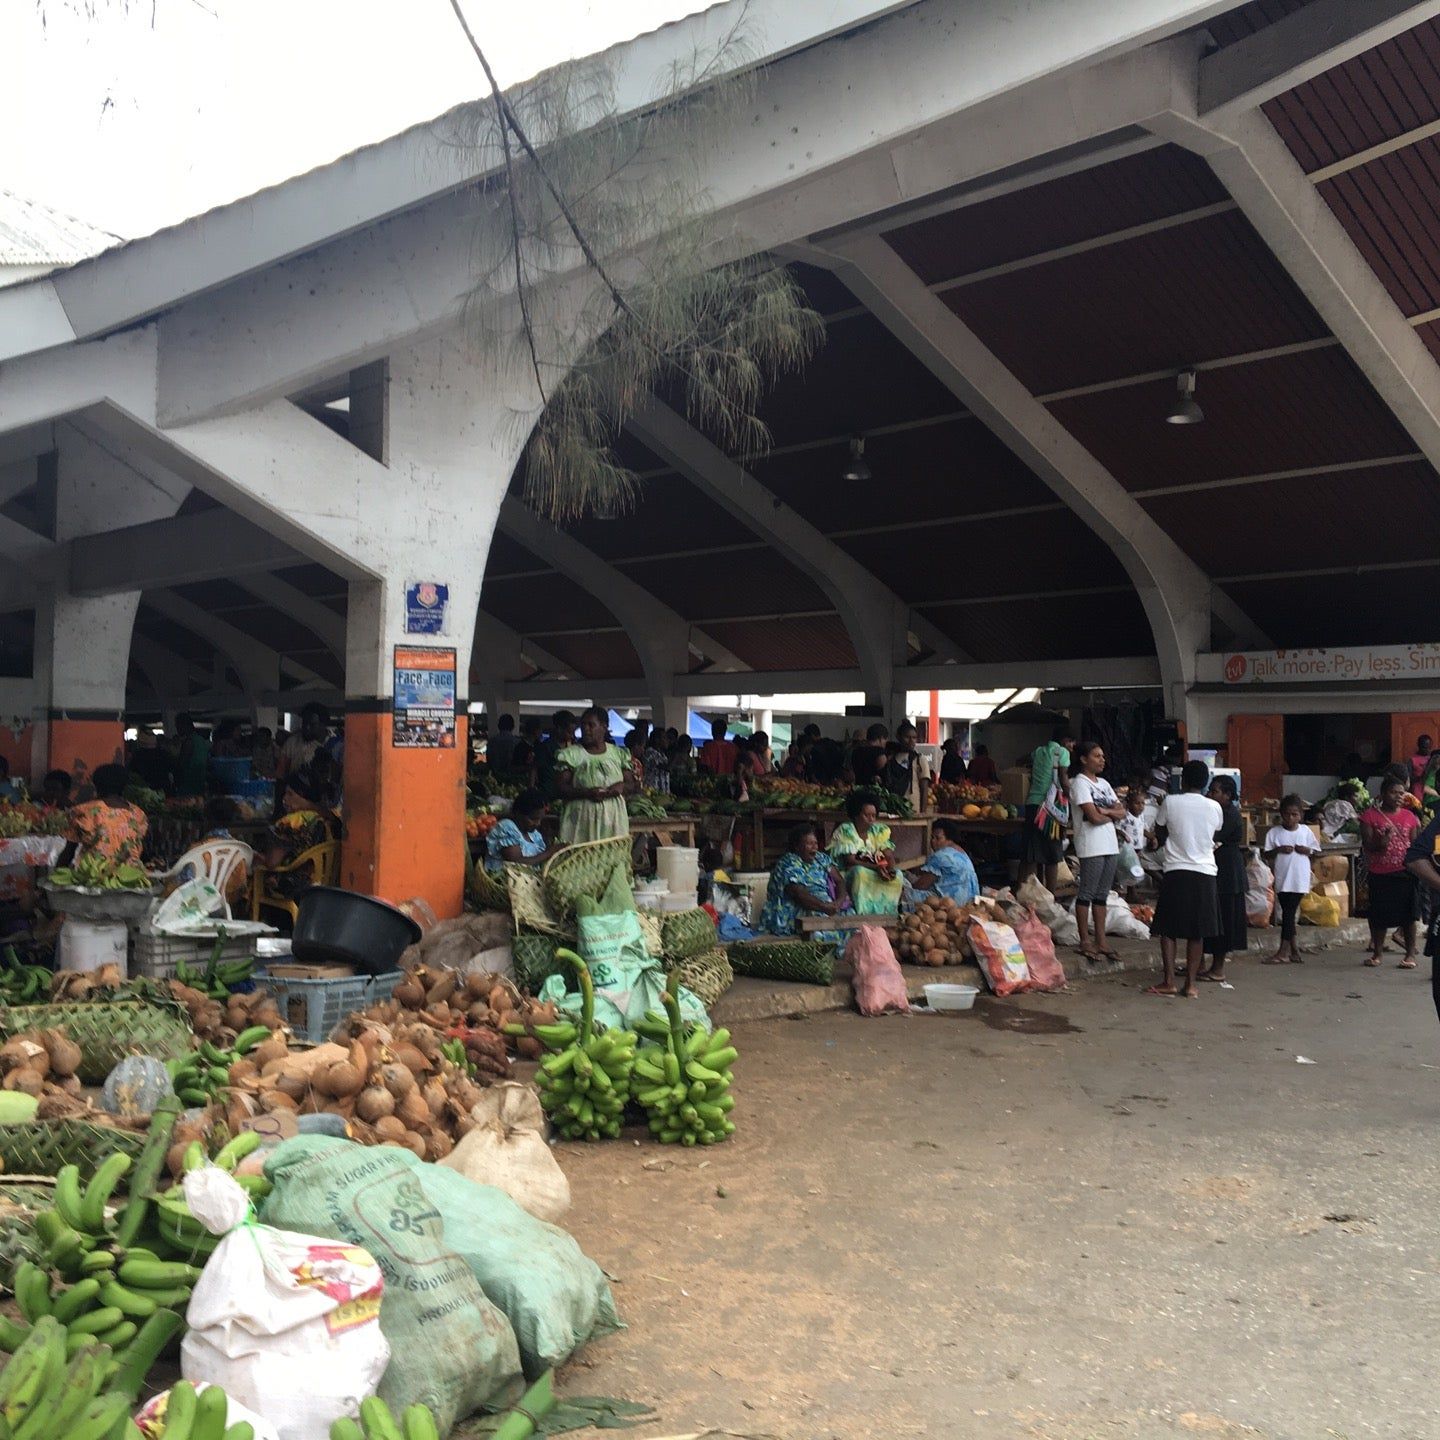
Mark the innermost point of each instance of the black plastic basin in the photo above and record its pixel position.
(339, 927)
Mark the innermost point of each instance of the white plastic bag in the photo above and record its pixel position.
(507, 1149)
(1119, 920)
(287, 1324)
(1259, 891)
(1033, 895)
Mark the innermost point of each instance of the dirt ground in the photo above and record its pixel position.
(1089, 1215)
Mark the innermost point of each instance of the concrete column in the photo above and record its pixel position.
(453, 444)
(82, 645)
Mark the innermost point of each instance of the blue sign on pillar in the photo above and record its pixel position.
(425, 605)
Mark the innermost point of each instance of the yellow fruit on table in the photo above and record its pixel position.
(971, 812)
(999, 812)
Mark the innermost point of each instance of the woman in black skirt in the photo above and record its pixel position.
(1386, 830)
(1229, 882)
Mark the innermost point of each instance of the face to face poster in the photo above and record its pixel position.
(424, 698)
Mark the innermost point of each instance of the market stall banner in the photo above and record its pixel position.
(1273, 667)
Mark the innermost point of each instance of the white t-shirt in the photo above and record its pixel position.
(1191, 821)
(1292, 872)
(1091, 839)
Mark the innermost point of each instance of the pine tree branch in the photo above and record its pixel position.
(509, 118)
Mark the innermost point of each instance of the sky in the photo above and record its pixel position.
(134, 123)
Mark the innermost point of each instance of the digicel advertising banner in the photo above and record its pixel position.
(1271, 667)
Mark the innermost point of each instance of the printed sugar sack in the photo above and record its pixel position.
(287, 1324)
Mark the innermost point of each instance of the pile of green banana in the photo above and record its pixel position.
(57, 1389)
(454, 1052)
(216, 980)
(684, 1080)
(94, 872)
(585, 1081)
(176, 1232)
(184, 1413)
(22, 984)
(377, 1422)
(200, 1075)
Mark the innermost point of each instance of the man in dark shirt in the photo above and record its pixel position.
(869, 759)
(500, 747)
(1422, 860)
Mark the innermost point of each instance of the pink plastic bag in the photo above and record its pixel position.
(878, 981)
(1046, 972)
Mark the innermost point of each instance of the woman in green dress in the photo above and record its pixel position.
(861, 846)
(592, 780)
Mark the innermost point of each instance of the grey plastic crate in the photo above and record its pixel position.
(158, 956)
(313, 1008)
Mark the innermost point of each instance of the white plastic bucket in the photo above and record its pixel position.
(89, 944)
(679, 867)
(758, 884)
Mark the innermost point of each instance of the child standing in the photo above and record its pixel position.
(1131, 830)
(1288, 847)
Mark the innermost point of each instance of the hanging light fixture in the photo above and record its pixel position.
(855, 467)
(1185, 411)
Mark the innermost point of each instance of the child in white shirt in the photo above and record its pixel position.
(1288, 847)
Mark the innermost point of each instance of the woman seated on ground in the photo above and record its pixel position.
(861, 846)
(803, 882)
(949, 871)
(109, 825)
(517, 840)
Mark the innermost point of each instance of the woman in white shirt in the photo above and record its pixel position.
(1189, 907)
(1094, 809)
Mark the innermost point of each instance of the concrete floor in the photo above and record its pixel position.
(1155, 1223)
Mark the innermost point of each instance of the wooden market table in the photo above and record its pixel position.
(673, 830)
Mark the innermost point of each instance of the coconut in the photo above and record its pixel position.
(415, 1143)
(24, 1051)
(30, 1081)
(438, 1145)
(410, 993)
(435, 1095)
(477, 984)
(412, 1058)
(342, 1080)
(390, 1127)
(374, 1103)
(412, 1109)
(273, 1100)
(397, 1079)
(440, 992)
(268, 1050)
(242, 1072)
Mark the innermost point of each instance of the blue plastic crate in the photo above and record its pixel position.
(230, 770)
(251, 791)
(313, 1008)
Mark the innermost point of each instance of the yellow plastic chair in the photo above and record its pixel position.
(322, 862)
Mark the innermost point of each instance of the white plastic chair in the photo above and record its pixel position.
(215, 861)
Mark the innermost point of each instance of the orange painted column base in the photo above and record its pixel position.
(81, 745)
(404, 815)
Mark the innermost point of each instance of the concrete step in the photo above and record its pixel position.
(751, 999)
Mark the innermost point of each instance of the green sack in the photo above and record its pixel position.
(450, 1348)
(555, 1296)
(684, 933)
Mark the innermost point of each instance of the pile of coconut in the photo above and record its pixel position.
(221, 1021)
(40, 1061)
(392, 1086)
(472, 1008)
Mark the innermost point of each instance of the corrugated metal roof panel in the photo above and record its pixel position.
(954, 467)
(36, 234)
(1248, 19)
(1281, 414)
(670, 514)
(1060, 629)
(600, 655)
(1307, 521)
(1391, 210)
(542, 602)
(1378, 608)
(1376, 96)
(1200, 291)
(746, 582)
(1149, 186)
(946, 561)
(811, 642)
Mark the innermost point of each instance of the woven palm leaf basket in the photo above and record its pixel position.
(107, 1031)
(46, 1147)
(583, 869)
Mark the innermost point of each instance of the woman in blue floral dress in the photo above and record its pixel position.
(803, 882)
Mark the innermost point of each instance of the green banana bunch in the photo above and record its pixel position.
(585, 1082)
(176, 1233)
(22, 984)
(685, 1084)
(454, 1052)
(46, 1394)
(216, 980)
(182, 1413)
(377, 1422)
(199, 1076)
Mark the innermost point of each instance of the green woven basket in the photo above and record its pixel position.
(810, 962)
(684, 933)
(45, 1147)
(709, 974)
(107, 1031)
(535, 960)
(528, 904)
(20, 1200)
(650, 929)
(487, 891)
(583, 869)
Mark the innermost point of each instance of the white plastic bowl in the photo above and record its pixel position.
(950, 997)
